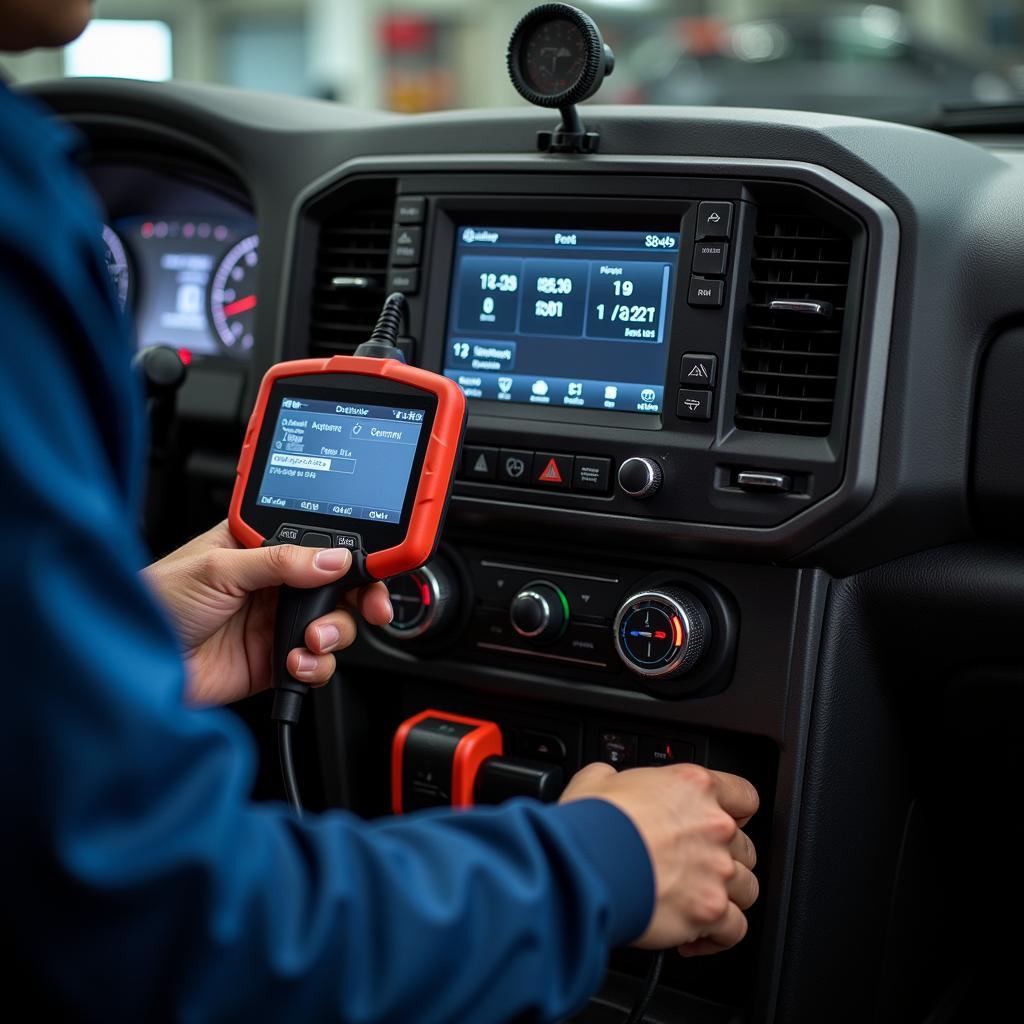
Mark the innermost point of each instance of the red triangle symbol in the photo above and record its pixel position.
(551, 474)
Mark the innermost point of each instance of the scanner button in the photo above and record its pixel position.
(311, 539)
(352, 541)
(288, 534)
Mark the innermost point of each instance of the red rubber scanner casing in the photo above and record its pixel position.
(485, 741)
(438, 462)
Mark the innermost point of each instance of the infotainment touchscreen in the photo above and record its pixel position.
(562, 318)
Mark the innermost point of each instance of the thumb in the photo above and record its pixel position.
(244, 570)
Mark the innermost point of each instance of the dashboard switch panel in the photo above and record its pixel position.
(479, 463)
(693, 404)
(552, 471)
(698, 370)
(591, 473)
(618, 749)
(706, 292)
(714, 220)
(710, 258)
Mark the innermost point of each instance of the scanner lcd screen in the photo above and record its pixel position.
(341, 459)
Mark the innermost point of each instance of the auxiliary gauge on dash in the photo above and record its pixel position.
(557, 58)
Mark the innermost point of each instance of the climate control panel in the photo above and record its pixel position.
(671, 634)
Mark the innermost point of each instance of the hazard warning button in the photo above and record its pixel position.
(554, 471)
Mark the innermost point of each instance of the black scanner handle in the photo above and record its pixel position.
(296, 609)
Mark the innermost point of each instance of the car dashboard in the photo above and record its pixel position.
(767, 363)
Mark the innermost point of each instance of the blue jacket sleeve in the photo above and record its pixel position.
(149, 886)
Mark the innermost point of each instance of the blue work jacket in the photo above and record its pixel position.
(141, 882)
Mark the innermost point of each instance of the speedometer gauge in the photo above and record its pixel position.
(117, 265)
(233, 295)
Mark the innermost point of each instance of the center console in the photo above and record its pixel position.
(674, 383)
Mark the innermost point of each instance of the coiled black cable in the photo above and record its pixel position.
(644, 996)
(389, 323)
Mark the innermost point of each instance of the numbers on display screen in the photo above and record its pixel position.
(554, 285)
(548, 307)
(627, 314)
(499, 282)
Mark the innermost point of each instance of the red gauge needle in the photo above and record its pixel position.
(240, 306)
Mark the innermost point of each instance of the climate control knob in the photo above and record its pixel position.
(423, 600)
(539, 612)
(640, 477)
(662, 633)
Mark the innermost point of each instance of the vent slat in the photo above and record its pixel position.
(796, 377)
(789, 361)
(355, 241)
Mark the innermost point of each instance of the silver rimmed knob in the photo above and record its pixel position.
(661, 633)
(539, 612)
(640, 477)
(423, 601)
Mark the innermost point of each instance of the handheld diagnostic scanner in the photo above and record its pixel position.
(350, 451)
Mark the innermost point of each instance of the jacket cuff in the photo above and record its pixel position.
(611, 845)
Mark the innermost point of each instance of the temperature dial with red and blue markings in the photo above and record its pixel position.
(661, 633)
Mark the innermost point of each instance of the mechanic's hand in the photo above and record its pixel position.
(689, 819)
(222, 598)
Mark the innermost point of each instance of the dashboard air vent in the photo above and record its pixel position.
(351, 268)
(800, 276)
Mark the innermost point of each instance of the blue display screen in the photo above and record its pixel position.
(341, 459)
(562, 318)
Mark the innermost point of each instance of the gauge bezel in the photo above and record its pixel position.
(594, 68)
(430, 615)
(230, 350)
(126, 307)
(678, 659)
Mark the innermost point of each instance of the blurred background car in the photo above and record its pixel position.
(864, 60)
(870, 61)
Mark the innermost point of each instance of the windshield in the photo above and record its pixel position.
(900, 59)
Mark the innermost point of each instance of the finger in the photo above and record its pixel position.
(306, 667)
(587, 776)
(372, 602)
(726, 934)
(332, 632)
(743, 888)
(736, 796)
(594, 772)
(743, 850)
(249, 569)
